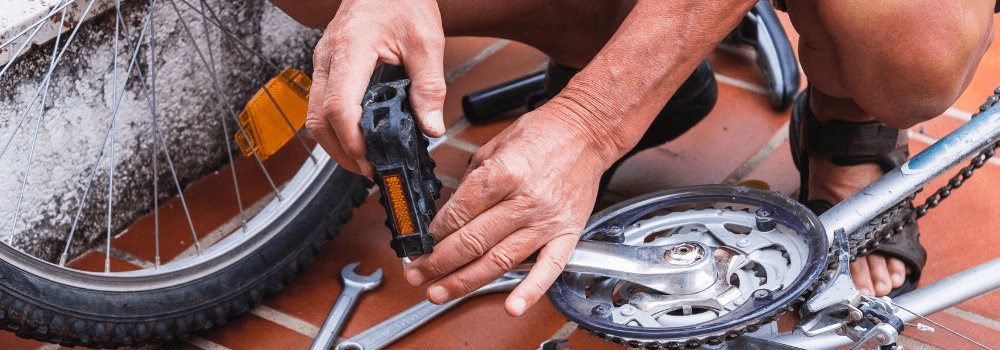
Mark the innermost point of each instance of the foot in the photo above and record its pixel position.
(874, 275)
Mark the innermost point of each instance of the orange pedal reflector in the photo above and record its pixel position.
(399, 203)
(274, 114)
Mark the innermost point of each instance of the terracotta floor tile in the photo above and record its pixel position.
(943, 339)
(481, 134)
(735, 63)
(9, 341)
(513, 61)
(939, 127)
(211, 202)
(253, 332)
(778, 171)
(458, 50)
(94, 261)
(968, 218)
(451, 161)
(741, 123)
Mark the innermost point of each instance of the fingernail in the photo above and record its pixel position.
(414, 277)
(519, 305)
(881, 286)
(897, 279)
(865, 291)
(432, 121)
(438, 294)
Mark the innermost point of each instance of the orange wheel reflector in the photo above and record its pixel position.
(275, 113)
(399, 203)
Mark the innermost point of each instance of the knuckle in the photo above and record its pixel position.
(474, 245)
(503, 258)
(455, 218)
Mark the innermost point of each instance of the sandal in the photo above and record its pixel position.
(693, 100)
(849, 143)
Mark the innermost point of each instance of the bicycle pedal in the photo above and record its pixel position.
(403, 169)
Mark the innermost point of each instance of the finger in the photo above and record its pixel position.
(551, 261)
(496, 262)
(316, 122)
(424, 62)
(862, 279)
(321, 131)
(879, 274)
(351, 67)
(482, 189)
(465, 245)
(897, 269)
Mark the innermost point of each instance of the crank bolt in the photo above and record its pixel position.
(628, 310)
(880, 337)
(764, 220)
(684, 254)
(743, 243)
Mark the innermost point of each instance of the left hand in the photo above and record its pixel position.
(530, 189)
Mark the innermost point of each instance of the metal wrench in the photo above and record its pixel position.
(354, 285)
(396, 327)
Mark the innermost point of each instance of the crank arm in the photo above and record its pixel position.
(674, 269)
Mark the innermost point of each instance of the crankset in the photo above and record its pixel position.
(690, 267)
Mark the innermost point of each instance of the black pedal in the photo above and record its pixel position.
(404, 171)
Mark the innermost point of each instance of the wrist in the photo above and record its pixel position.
(586, 118)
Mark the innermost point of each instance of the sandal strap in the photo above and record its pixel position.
(849, 143)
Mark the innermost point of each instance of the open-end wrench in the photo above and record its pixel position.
(354, 285)
(396, 327)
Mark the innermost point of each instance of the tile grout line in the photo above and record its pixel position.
(286, 320)
(741, 84)
(472, 62)
(912, 343)
(754, 161)
(973, 317)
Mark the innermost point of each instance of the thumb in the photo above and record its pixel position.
(425, 67)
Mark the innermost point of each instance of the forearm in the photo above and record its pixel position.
(615, 98)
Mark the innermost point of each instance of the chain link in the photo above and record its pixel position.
(894, 220)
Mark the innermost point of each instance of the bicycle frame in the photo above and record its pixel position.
(860, 208)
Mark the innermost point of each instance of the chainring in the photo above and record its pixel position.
(762, 271)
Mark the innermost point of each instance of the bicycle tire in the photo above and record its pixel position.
(36, 307)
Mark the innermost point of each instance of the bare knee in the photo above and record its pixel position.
(903, 62)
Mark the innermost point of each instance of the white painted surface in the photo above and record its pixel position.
(79, 110)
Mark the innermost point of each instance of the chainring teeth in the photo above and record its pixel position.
(671, 228)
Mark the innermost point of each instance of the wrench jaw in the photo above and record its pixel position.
(353, 279)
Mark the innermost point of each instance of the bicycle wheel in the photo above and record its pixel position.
(54, 212)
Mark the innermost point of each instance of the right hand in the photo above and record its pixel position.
(362, 34)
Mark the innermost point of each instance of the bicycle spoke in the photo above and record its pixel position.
(152, 106)
(34, 138)
(225, 133)
(221, 96)
(263, 82)
(231, 35)
(111, 159)
(37, 26)
(2, 71)
(117, 101)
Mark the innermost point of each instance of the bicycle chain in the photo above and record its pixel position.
(903, 214)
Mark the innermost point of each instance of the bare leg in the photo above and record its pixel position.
(571, 32)
(897, 62)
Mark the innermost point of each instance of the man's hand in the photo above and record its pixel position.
(364, 33)
(529, 189)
